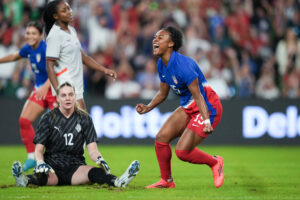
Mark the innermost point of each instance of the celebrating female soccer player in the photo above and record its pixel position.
(64, 53)
(59, 149)
(41, 97)
(199, 112)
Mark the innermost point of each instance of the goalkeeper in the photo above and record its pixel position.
(59, 149)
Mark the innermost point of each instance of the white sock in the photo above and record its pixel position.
(31, 156)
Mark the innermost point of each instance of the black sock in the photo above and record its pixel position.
(39, 179)
(98, 175)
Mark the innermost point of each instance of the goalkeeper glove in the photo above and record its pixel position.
(42, 167)
(103, 164)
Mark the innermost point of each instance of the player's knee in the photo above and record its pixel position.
(182, 155)
(24, 123)
(162, 138)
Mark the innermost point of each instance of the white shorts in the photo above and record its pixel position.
(76, 82)
(79, 96)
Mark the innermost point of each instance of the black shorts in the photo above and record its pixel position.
(65, 176)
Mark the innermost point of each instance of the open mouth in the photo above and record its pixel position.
(155, 48)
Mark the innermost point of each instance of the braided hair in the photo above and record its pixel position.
(50, 10)
(176, 37)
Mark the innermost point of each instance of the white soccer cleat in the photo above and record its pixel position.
(18, 173)
(128, 175)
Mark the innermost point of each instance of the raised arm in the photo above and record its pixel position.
(201, 104)
(10, 58)
(160, 96)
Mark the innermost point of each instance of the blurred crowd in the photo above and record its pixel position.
(245, 48)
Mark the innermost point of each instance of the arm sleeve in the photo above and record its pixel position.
(53, 46)
(43, 130)
(24, 51)
(163, 80)
(90, 132)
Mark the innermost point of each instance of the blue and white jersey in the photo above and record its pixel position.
(179, 74)
(37, 59)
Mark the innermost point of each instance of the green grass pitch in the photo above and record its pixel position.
(251, 173)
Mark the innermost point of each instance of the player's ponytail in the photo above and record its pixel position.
(48, 18)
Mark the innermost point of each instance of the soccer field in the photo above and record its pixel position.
(265, 172)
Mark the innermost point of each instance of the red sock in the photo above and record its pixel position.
(164, 155)
(27, 134)
(196, 156)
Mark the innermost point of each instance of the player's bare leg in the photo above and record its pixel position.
(52, 179)
(31, 111)
(172, 128)
(189, 140)
(81, 175)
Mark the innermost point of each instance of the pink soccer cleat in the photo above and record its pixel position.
(162, 184)
(218, 171)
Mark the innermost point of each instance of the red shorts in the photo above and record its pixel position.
(196, 123)
(48, 102)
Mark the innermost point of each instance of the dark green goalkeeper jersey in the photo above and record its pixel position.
(64, 138)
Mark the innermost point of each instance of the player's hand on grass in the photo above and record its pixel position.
(42, 167)
(141, 108)
(103, 164)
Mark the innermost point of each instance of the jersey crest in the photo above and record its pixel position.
(38, 57)
(78, 128)
(174, 79)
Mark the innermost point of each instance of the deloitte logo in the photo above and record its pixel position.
(128, 123)
(257, 122)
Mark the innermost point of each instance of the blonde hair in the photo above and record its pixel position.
(77, 105)
(79, 109)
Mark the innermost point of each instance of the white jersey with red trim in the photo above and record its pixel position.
(65, 48)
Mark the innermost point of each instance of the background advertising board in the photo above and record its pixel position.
(117, 122)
